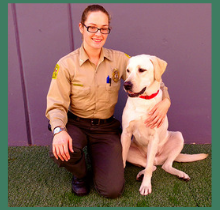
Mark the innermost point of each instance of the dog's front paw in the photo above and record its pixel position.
(145, 189)
(184, 176)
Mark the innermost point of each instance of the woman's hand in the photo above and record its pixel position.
(62, 144)
(157, 115)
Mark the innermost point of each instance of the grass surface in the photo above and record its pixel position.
(34, 180)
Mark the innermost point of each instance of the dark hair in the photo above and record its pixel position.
(93, 8)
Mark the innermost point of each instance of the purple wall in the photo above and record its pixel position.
(40, 34)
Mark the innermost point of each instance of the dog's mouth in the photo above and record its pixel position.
(132, 94)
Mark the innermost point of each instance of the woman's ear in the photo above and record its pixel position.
(81, 28)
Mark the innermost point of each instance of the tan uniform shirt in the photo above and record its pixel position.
(88, 91)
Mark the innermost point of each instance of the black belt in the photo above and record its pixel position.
(92, 121)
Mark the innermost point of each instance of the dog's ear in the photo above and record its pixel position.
(159, 67)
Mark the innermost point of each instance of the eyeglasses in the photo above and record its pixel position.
(93, 29)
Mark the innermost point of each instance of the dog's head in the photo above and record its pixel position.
(142, 72)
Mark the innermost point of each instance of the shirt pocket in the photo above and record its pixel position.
(106, 92)
(79, 97)
(80, 91)
(112, 93)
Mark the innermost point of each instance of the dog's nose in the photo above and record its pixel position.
(128, 85)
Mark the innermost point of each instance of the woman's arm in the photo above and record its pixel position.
(158, 113)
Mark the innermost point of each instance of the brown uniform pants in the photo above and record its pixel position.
(105, 151)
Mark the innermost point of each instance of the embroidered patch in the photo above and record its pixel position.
(55, 72)
(115, 75)
(127, 55)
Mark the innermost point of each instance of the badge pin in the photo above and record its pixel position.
(115, 75)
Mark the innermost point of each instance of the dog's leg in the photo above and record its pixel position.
(171, 150)
(126, 142)
(146, 187)
(136, 155)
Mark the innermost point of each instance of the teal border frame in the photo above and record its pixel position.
(4, 87)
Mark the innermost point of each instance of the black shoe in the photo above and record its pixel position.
(80, 186)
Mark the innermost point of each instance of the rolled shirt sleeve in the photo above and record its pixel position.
(165, 91)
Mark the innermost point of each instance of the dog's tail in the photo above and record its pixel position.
(190, 158)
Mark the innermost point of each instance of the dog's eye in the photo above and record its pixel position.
(128, 70)
(142, 70)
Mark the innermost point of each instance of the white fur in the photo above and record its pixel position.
(149, 147)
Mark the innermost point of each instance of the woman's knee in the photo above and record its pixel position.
(75, 157)
(111, 190)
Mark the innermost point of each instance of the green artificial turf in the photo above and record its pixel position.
(34, 180)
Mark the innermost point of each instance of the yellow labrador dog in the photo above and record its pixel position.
(149, 147)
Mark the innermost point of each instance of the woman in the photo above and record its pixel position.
(80, 106)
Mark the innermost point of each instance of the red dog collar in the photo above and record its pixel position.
(149, 97)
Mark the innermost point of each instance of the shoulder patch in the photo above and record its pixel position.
(55, 71)
(127, 55)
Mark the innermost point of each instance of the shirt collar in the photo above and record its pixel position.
(84, 57)
(106, 54)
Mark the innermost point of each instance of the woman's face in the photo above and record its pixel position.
(94, 40)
